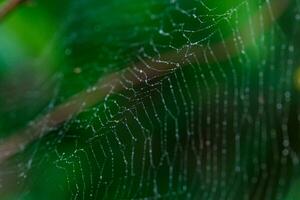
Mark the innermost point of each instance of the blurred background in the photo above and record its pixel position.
(152, 99)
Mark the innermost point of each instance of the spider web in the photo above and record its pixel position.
(200, 128)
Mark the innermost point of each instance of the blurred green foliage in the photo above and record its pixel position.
(51, 50)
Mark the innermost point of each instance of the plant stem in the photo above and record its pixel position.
(8, 7)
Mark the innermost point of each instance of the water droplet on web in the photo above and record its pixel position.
(68, 51)
(77, 70)
(285, 152)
